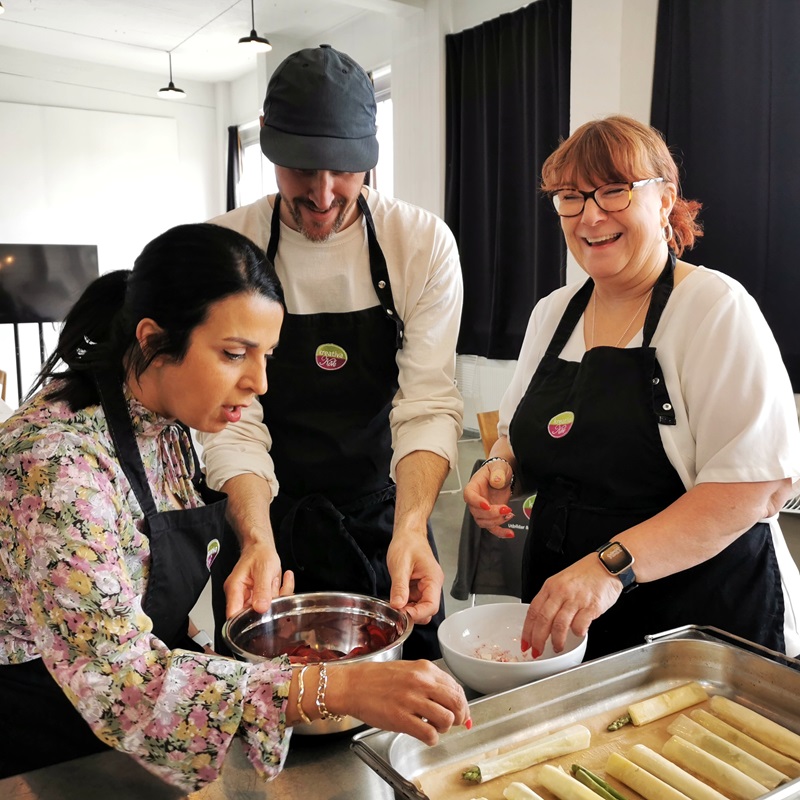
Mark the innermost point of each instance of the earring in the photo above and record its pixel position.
(667, 231)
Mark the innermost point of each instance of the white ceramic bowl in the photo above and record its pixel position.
(472, 639)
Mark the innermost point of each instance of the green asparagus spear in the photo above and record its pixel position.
(625, 719)
(596, 783)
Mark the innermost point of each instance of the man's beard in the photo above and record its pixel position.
(314, 233)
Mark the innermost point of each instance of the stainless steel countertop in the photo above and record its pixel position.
(317, 768)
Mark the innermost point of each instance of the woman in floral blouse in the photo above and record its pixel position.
(108, 534)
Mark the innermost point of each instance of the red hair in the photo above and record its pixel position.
(622, 149)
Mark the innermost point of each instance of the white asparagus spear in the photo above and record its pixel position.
(519, 791)
(726, 778)
(759, 727)
(695, 733)
(563, 785)
(788, 766)
(666, 703)
(672, 774)
(640, 780)
(560, 743)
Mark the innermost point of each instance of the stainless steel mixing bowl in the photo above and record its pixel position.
(316, 622)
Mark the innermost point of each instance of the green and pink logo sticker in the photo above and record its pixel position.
(560, 424)
(212, 551)
(527, 506)
(330, 357)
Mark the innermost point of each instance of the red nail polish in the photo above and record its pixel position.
(525, 645)
(484, 505)
(468, 724)
(505, 510)
(535, 653)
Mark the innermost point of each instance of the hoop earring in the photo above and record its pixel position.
(667, 231)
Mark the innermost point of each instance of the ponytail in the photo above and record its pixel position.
(94, 336)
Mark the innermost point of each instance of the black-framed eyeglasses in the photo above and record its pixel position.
(609, 197)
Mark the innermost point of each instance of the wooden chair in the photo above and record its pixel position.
(3, 382)
(487, 425)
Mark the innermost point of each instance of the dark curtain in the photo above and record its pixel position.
(507, 108)
(234, 166)
(726, 95)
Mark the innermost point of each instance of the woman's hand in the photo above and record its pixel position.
(487, 495)
(569, 600)
(413, 697)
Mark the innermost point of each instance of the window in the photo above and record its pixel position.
(382, 177)
(257, 176)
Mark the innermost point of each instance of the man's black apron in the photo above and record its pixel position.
(332, 382)
(586, 435)
(46, 728)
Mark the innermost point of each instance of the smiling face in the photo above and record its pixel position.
(629, 242)
(318, 203)
(224, 368)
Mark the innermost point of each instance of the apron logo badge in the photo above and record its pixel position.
(527, 506)
(330, 357)
(212, 551)
(560, 424)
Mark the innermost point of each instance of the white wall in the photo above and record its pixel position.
(90, 155)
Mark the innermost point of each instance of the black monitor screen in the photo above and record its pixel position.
(41, 282)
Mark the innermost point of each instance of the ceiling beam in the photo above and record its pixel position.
(394, 7)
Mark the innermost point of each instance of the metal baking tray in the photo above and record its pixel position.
(761, 679)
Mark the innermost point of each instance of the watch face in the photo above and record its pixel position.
(616, 558)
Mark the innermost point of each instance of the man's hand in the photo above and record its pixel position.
(256, 580)
(417, 578)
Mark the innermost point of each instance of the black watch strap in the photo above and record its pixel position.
(628, 579)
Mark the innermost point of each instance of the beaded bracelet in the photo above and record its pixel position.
(505, 461)
(321, 689)
(301, 688)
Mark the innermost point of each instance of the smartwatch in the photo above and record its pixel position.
(619, 562)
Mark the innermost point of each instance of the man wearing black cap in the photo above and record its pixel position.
(362, 418)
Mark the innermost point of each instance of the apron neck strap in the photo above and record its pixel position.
(658, 302)
(580, 300)
(119, 424)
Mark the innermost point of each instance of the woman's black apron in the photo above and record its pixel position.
(586, 436)
(183, 546)
(332, 382)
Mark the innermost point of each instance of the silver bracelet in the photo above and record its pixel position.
(321, 689)
(505, 461)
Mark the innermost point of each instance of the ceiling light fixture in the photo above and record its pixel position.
(254, 42)
(171, 92)
(1, 8)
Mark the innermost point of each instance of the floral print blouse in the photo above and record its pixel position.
(73, 573)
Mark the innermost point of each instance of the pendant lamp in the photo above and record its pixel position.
(1, 8)
(171, 92)
(254, 42)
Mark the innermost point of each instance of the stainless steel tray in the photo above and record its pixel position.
(765, 681)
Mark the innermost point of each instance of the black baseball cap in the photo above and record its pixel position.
(319, 113)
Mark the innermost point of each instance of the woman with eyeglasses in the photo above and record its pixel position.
(651, 412)
(108, 535)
